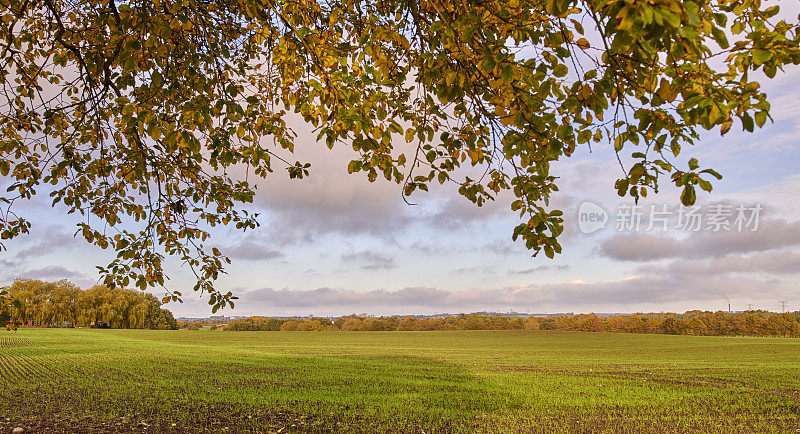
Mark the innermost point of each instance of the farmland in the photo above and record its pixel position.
(67, 380)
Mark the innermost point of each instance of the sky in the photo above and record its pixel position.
(335, 244)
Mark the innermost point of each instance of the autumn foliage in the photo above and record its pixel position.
(155, 120)
(62, 304)
(699, 323)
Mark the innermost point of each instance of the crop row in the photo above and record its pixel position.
(12, 341)
(23, 368)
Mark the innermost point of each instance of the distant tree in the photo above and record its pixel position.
(409, 323)
(8, 306)
(290, 326)
(64, 304)
(158, 318)
(375, 325)
(475, 322)
(352, 324)
(151, 118)
(312, 325)
(531, 324)
(758, 323)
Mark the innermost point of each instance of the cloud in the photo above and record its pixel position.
(638, 246)
(772, 234)
(53, 239)
(506, 247)
(481, 269)
(427, 248)
(540, 268)
(252, 251)
(774, 262)
(782, 194)
(660, 292)
(51, 272)
(453, 211)
(8, 263)
(329, 201)
(370, 260)
(417, 296)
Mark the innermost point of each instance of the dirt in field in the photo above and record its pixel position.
(624, 420)
(217, 418)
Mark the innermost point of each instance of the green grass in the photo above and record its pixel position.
(56, 380)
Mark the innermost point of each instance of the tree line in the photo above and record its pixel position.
(36, 303)
(63, 304)
(699, 323)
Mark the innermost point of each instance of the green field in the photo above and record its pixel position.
(71, 380)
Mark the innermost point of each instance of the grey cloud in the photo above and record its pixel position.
(8, 263)
(506, 247)
(774, 262)
(52, 272)
(457, 212)
(249, 250)
(54, 238)
(312, 272)
(540, 268)
(330, 201)
(638, 246)
(771, 235)
(661, 292)
(320, 297)
(426, 248)
(370, 260)
(482, 269)
(282, 233)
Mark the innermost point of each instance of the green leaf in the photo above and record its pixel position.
(508, 74)
(670, 18)
(688, 196)
(720, 37)
(761, 56)
(410, 135)
(761, 118)
(712, 172)
(747, 122)
(619, 143)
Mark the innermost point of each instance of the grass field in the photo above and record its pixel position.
(60, 380)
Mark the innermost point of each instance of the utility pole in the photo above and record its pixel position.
(783, 305)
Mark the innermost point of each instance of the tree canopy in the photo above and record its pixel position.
(749, 323)
(61, 304)
(153, 119)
